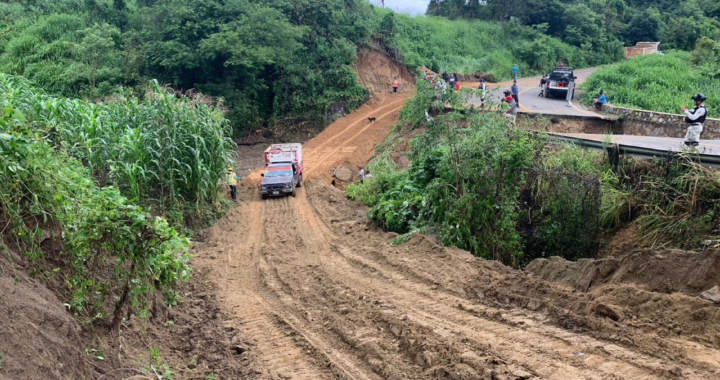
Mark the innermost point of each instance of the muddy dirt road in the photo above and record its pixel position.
(320, 293)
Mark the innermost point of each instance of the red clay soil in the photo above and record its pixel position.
(319, 292)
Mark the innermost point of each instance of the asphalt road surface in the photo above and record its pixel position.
(530, 102)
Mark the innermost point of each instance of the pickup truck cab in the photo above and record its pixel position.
(283, 170)
(279, 180)
(559, 82)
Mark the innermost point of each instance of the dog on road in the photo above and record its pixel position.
(371, 119)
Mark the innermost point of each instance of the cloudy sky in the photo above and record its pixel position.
(413, 7)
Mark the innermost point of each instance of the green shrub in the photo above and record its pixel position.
(466, 47)
(162, 149)
(115, 253)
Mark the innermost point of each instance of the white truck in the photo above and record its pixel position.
(283, 170)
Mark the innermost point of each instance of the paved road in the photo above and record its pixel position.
(711, 147)
(530, 102)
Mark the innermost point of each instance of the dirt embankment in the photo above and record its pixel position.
(376, 72)
(40, 339)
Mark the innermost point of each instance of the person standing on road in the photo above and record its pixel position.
(395, 85)
(512, 111)
(543, 80)
(515, 92)
(695, 118)
(452, 80)
(482, 87)
(515, 72)
(445, 76)
(600, 101)
(232, 183)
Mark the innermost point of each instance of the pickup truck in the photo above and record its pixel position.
(559, 81)
(283, 170)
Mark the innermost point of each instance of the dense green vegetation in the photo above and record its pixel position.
(272, 62)
(109, 252)
(470, 46)
(269, 60)
(599, 27)
(661, 83)
(504, 193)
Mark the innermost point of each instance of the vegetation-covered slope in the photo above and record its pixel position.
(77, 174)
(599, 27)
(661, 83)
(506, 194)
(470, 46)
(272, 62)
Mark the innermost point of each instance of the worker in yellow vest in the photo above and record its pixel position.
(232, 182)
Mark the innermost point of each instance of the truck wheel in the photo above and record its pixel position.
(299, 184)
(294, 193)
(264, 196)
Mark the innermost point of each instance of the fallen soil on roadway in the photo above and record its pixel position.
(315, 291)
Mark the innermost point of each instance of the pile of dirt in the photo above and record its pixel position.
(376, 72)
(193, 339)
(39, 339)
(664, 271)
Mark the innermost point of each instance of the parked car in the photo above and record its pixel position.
(559, 82)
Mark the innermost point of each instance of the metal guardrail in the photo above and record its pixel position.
(636, 151)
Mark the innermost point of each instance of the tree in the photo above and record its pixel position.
(97, 44)
(644, 26)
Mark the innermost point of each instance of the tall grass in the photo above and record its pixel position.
(162, 149)
(654, 82)
(469, 46)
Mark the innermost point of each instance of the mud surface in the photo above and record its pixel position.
(318, 292)
(38, 338)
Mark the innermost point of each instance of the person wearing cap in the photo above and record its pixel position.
(695, 119)
(232, 183)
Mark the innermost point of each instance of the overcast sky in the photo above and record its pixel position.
(413, 7)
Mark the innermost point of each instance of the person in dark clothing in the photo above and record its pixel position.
(543, 80)
(445, 76)
(515, 92)
(695, 118)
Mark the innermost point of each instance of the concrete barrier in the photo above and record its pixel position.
(659, 124)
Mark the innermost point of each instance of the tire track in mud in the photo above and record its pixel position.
(284, 236)
(317, 158)
(272, 338)
(362, 118)
(442, 313)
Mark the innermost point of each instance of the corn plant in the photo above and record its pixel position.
(115, 254)
(164, 148)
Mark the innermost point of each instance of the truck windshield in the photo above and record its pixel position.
(279, 172)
